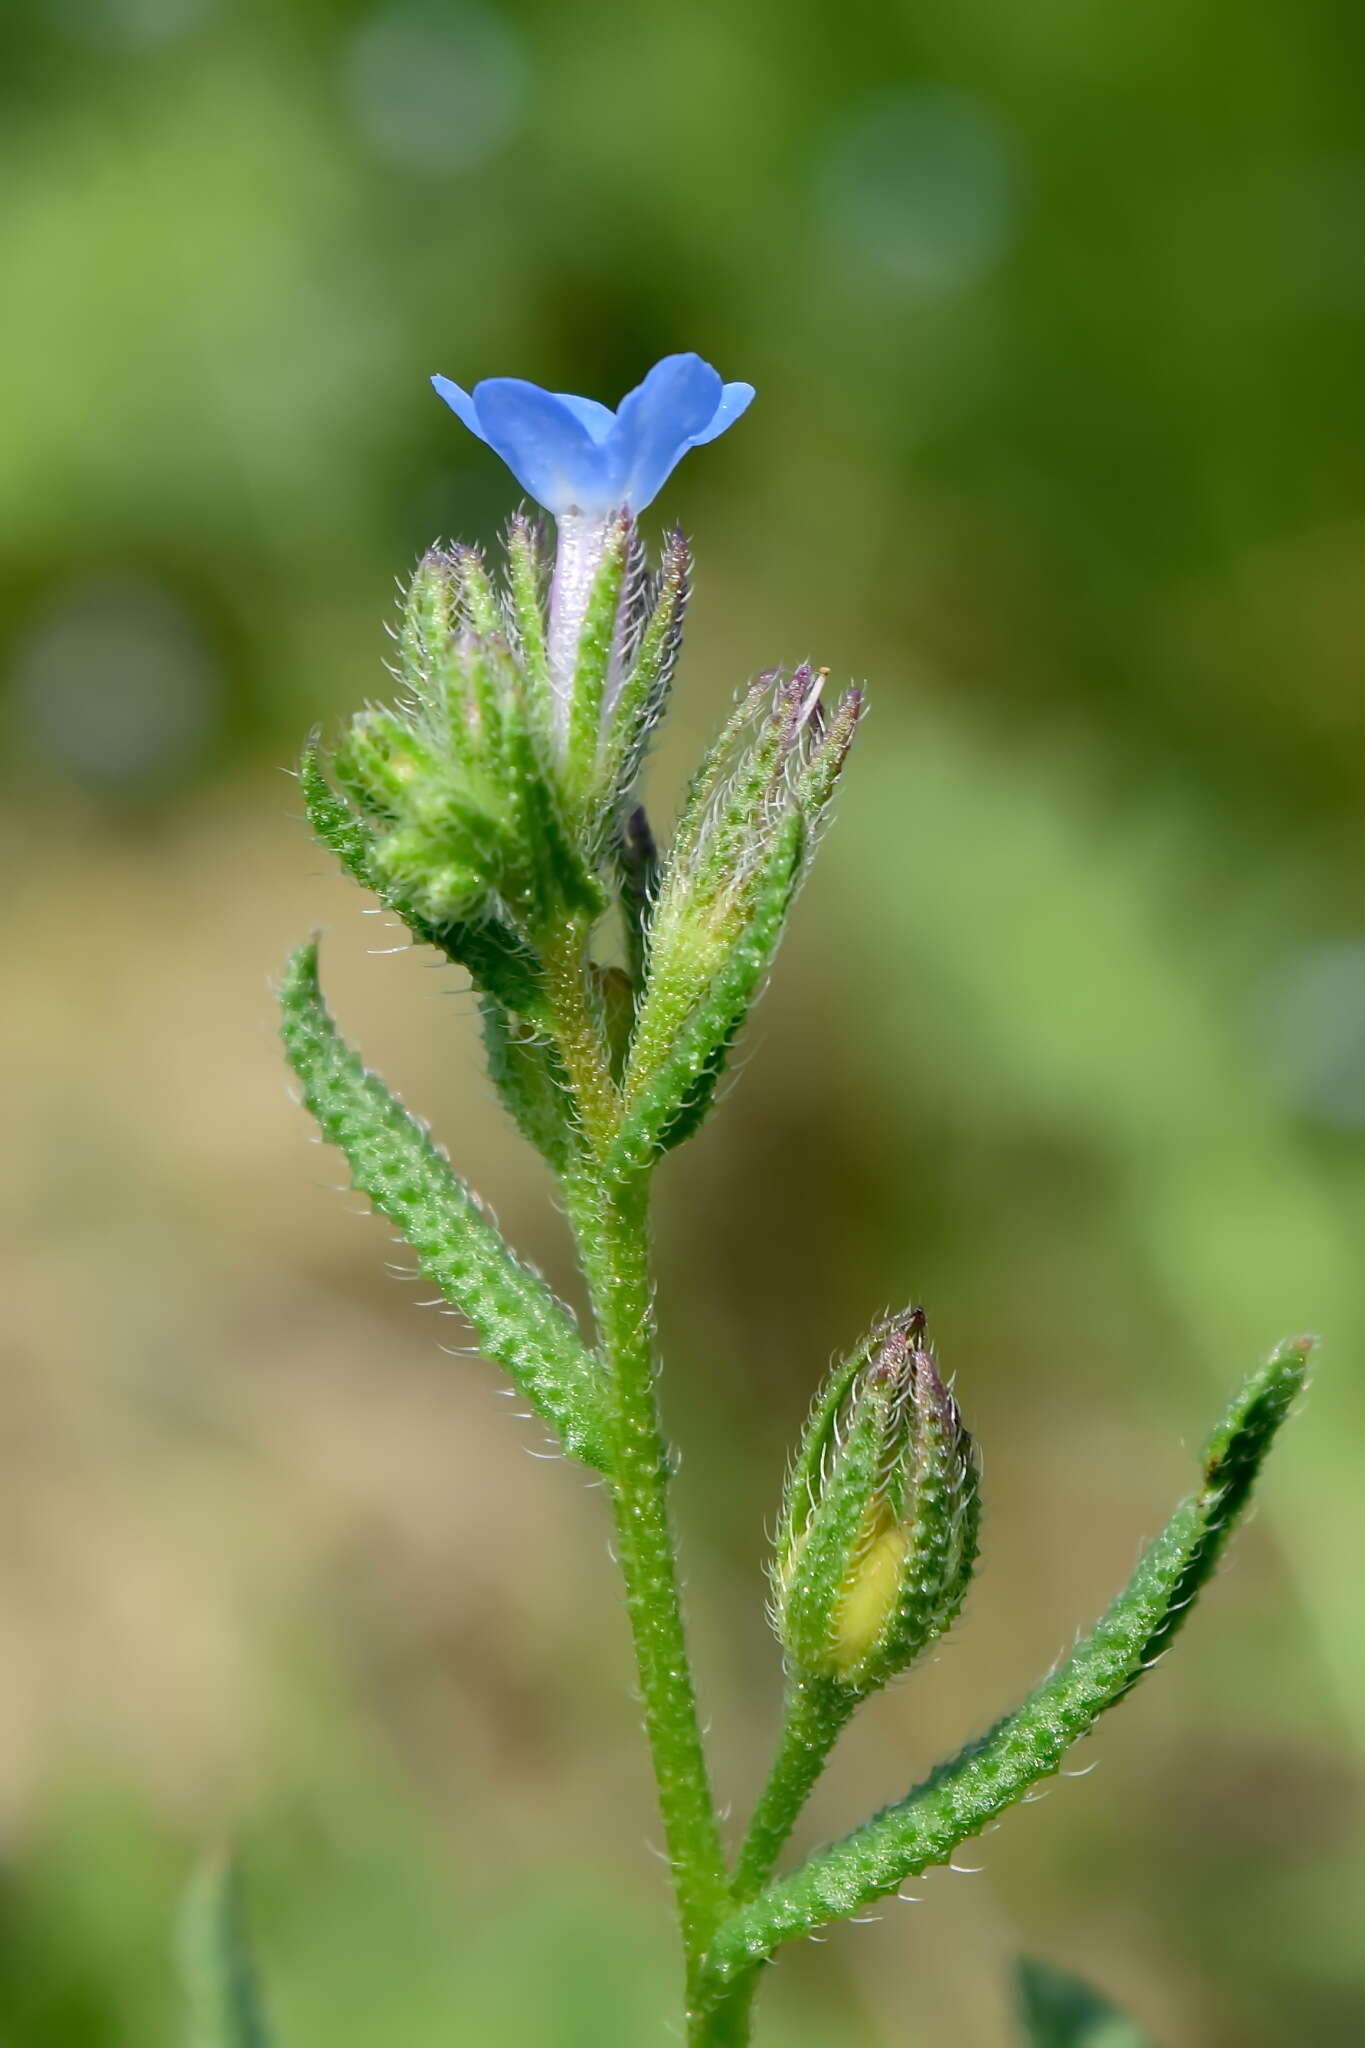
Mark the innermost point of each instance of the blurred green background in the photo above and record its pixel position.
(1056, 315)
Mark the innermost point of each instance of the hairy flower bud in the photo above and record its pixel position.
(879, 1526)
(455, 785)
(749, 824)
(489, 801)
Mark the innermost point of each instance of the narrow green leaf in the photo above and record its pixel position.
(518, 1321)
(332, 820)
(960, 1797)
(221, 1988)
(1058, 2011)
(527, 1076)
(493, 954)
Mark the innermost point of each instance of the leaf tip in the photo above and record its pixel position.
(300, 977)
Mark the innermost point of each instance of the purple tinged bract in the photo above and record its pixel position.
(574, 455)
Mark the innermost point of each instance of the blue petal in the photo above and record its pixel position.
(547, 445)
(659, 421)
(734, 400)
(460, 402)
(598, 419)
(573, 454)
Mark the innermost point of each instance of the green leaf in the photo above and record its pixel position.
(333, 821)
(528, 1077)
(518, 1321)
(221, 1988)
(1059, 2011)
(961, 1796)
(494, 957)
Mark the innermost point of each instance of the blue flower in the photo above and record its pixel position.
(573, 455)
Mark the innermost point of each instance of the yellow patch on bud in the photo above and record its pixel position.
(868, 1599)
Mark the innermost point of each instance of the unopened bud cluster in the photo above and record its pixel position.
(492, 790)
(879, 1526)
(496, 806)
(452, 785)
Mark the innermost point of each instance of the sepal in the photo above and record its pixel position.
(626, 650)
(601, 653)
(670, 1087)
(744, 840)
(527, 587)
(653, 631)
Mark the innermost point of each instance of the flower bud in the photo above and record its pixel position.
(454, 785)
(748, 827)
(879, 1526)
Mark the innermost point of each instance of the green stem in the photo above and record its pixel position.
(610, 1218)
(729, 2024)
(618, 1274)
(579, 1040)
(816, 1712)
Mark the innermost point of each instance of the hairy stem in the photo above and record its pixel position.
(816, 1712)
(579, 1042)
(644, 1538)
(728, 2024)
(610, 1217)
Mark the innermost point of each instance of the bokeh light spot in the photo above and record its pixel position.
(1320, 207)
(116, 683)
(1311, 1026)
(922, 186)
(435, 90)
(137, 24)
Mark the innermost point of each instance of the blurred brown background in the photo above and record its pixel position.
(1056, 318)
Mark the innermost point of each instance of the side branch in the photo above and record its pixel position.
(993, 1773)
